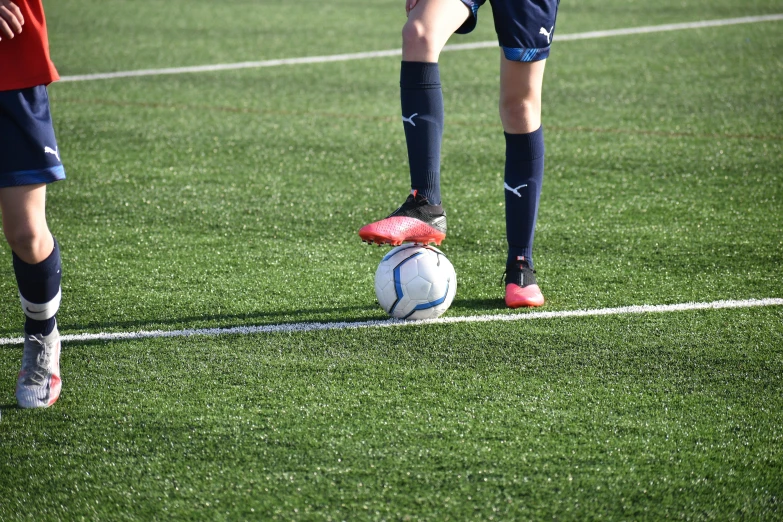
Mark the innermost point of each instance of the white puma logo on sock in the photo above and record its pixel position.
(410, 118)
(514, 190)
(53, 152)
(546, 33)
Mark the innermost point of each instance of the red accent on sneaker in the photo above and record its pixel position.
(517, 296)
(55, 385)
(396, 230)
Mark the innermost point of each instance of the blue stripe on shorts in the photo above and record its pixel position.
(28, 149)
(520, 54)
(32, 177)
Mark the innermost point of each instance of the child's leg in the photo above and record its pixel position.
(30, 158)
(37, 267)
(520, 113)
(525, 31)
(429, 26)
(36, 256)
(421, 219)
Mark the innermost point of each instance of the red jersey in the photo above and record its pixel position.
(24, 59)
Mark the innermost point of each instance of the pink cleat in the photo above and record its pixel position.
(416, 221)
(521, 287)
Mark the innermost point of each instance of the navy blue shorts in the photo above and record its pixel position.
(525, 28)
(28, 150)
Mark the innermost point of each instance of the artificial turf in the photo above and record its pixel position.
(644, 417)
(233, 198)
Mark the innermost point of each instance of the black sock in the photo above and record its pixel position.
(421, 99)
(39, 287)
(523, 177)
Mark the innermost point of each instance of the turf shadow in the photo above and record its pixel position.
(346, 313)
(474, 305)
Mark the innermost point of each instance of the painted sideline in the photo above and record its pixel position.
(312, 327)
(398, 52)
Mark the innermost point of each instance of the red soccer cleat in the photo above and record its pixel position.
(416, 221)
(521, 287)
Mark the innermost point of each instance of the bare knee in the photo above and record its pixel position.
(32, 246)
(417, 44)
(520, 95)
(520, 115)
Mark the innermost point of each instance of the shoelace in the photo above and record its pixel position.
(36, 363)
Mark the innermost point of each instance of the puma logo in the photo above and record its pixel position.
(410, 118)
(53, 152)
(514, 190)
(546, 33)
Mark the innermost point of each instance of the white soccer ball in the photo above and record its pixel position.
(415, 282)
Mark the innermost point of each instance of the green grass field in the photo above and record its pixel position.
(233, 198)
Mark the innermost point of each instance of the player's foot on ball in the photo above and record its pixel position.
(416, 221)
(521, 287)
(39, 382)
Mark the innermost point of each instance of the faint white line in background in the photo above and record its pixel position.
(398, 52)
(312, 327)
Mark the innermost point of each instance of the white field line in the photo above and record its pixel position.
(398, 52)
(312, 327)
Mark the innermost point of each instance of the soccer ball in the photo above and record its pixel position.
(415, 282)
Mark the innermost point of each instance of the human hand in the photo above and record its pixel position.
(11, 19)
(410, 4)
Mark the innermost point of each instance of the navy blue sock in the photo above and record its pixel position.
(422, 115)
(39, 284)
(523, 177)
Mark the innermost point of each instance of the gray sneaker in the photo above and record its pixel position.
(39, 381)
